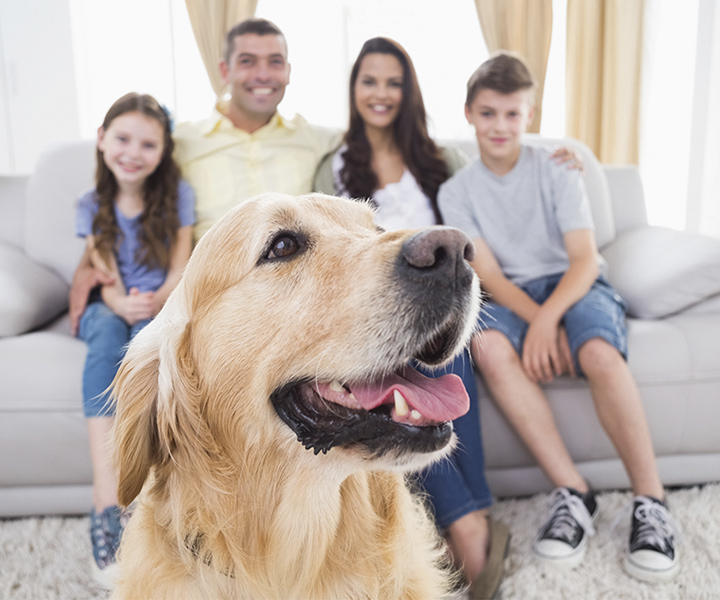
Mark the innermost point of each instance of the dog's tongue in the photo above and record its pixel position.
(441, 399)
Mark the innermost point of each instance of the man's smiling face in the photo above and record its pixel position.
(256, 73)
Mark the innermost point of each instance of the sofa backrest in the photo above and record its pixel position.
(595, 181)
(12, 209)
(63, 173)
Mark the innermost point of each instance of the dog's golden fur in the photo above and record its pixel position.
(232, 505)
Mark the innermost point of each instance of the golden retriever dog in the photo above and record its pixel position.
(268, 413)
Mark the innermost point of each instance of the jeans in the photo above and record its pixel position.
(456, 485)
(600, 313)
(106, 335)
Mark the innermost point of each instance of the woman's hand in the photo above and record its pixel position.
(569, 158)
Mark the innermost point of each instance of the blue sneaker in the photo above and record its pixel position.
(106, 530)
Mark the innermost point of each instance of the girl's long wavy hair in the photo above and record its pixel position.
(159, 219)
(419, 152)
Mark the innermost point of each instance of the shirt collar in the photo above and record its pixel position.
(219, 122)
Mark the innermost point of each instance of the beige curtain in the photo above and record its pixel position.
(604, 51)
(522, 26)
(211, 20)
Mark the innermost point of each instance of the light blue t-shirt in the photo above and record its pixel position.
(145, 278)
(523, 215)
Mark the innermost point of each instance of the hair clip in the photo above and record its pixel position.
(170, 122)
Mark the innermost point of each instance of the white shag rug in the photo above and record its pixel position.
(48, 558)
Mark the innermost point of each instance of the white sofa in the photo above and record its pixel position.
(44, 461)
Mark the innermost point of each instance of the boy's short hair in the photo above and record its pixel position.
(253, 25)
(504, 72)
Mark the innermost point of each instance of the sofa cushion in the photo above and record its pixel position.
(63, 173)
(661, 271)
(31, 295)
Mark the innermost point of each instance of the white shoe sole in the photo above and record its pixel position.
(650, 575)
(569, 561)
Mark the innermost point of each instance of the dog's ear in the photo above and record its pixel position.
(135, 434)
(157, 405)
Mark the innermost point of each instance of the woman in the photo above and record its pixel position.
(388, 157)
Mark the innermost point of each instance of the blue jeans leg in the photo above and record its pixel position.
(105, 334)
(456, 485)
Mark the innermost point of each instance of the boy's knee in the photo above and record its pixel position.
(492, 351)
(597, 357)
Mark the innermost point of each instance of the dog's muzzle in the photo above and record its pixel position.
(395, 408)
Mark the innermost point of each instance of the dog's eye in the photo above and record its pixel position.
(283, 246)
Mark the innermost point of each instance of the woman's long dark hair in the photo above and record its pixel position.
(419, 152)
(159, 220)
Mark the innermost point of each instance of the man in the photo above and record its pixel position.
(246, 147)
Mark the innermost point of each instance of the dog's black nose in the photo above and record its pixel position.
(438, 251)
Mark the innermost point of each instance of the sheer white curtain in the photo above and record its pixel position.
(703, 207)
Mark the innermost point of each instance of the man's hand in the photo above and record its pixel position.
(86, 277)
(568, 157)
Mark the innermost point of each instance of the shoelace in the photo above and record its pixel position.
(568, 511)
(656, 527)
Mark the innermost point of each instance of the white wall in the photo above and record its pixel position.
(38, 102)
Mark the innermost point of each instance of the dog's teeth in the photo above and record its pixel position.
(336, 386)
(351, 396)
(415, 415)
(401, 406)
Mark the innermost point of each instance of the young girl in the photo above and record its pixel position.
(137, 223)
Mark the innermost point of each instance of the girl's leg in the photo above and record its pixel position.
(104, 479)
(105, 334)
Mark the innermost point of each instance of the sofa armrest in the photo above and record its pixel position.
(661, 271)
(30, 294)
(627, 197)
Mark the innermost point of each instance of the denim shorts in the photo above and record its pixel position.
(600, 313)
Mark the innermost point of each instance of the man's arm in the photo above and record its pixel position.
(86, 277)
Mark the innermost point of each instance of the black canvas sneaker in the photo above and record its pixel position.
(563, 539)
(652, 555)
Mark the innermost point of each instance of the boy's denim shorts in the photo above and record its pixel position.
(600, 313)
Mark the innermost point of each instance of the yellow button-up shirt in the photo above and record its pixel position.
(226, 165)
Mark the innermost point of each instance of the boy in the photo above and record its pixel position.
(551, 312)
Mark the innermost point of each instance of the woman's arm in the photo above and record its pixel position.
(85, 278)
